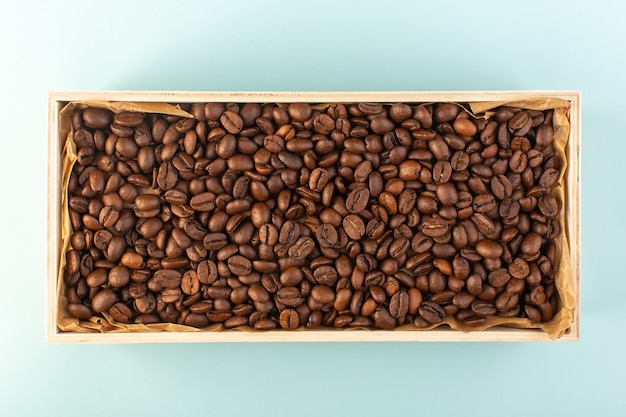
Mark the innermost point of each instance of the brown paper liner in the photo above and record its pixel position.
(564, 279)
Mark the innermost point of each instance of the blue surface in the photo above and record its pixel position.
(321, 45)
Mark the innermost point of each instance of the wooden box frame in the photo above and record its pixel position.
(57, 100)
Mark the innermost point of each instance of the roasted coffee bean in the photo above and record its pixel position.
(483, 203)
(118, 276)
(121, 313)
(231, 121)
(79, 311)
(289, 319)
(435, 227)
(289, 296)
(364, 214)
(167, 176)
(239, 265)
(383, 319)
(168, 278)
(431, 312)
(354, 226)
(302, 248)
(103, 300)
(96, 118)
(548, 206)
(214, 241)
(357, 200)
(399, 304)
(289, 233)
(489, 249)
(318, 179)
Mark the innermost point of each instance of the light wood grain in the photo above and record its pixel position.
(573, 210)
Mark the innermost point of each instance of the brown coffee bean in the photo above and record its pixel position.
(291, 276)
(121, 313)
(483, 308)
(464, 127)
(548, 206)
(239, 265)
(231, 121)
(392, 201)
(431, 312)
(354, 226)
(214, 241)
(299, 112)
(323, 294)
(103, 300)
(167, 176)
(383, 319)
(318, 179)
(289, 296)
(434, 227)
(499, 277)
(357, 200)
(399, 304)
(96, 118)
(302, 248)
(531, 244)
(118, 276)
(79, 311)
(168, 278)
(289, 319)
(489, 249)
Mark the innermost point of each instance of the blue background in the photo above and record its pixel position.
(320, 45)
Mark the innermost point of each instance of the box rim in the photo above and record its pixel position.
(57, 98)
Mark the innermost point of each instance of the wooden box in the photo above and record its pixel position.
(58, 100)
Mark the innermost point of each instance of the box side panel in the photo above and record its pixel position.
(53, 231)
(343, 336)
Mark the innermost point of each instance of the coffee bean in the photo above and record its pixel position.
(327, 235)
(167, 278)
(79, 311)
(103, 300)
(302, 248)
(263, 215)
(489, 249)
(214, 241)
(499, 277)
(203, 202)
(299, 112)
(239, 265)
(318, 179)
(291, 276)
(325, 275)
(231, 121)
(483, 308)
(357, 200)
(289, 296)
(548, 206)
(118, 276)
(167, 176)
(96, 118)
(483, 203)
(399, 304)
(121, 313)
(289, 319)
(434, 227)
(354, 226)
(465, 127)
(431, 312)
(289, 233)
(383, 319)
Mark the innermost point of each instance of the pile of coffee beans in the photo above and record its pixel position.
(297, 215)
